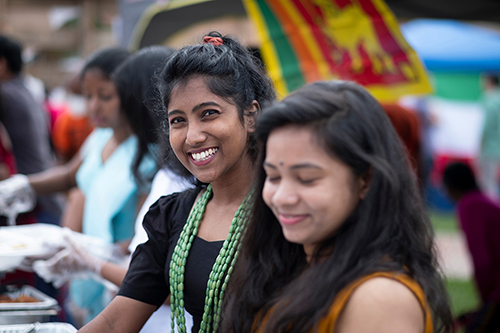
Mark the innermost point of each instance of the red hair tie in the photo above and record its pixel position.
(215, 41)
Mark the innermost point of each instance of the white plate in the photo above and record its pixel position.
(14, 247)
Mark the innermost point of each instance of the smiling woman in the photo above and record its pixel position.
(206, 129)
(211, 94)
(339, 241)
(309, 192)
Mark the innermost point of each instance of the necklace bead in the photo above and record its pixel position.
(221, 270)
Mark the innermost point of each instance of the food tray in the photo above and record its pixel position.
(26, 317)
(38, 328)
(42, 241)
(46, 302)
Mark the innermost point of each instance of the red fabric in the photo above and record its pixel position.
(54, 113)
(6, 154)
(407, 126)
(480, 220)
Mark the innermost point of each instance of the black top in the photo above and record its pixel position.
(147, 277)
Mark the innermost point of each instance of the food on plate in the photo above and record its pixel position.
(20, 299)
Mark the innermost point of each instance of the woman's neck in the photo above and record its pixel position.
(233, 189)
(122, 133)
(312, 259)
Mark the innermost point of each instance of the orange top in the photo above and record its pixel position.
(68, 135)
(327, 324)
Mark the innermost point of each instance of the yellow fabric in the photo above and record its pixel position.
(327, 324)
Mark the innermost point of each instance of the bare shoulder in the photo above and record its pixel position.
(382, 305)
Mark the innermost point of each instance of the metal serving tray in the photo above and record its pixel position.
(45, 303)
(25, 317)
(38, 328)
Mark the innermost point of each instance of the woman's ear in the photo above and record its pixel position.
(365, 181)
(251, 114)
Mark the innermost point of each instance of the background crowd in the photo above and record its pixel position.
(97, 162)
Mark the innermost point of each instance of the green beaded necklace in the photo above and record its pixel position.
(222, 269)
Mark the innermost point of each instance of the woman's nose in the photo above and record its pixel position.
(195, 135)
(285, 194)
(92, 105)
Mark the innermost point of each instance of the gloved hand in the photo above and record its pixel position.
(16, 196)
(73, 261)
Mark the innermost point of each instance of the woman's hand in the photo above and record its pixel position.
(16, 196)
(73, 260)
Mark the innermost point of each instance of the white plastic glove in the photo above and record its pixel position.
(73, 261)
(16, 196)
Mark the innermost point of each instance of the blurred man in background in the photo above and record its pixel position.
(489, 156)
(479, 218)
(27, 125)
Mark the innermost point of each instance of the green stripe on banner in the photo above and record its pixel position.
(289, 63)
(458, 86)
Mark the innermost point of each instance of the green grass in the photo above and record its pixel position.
(463, 295)
(444, 222)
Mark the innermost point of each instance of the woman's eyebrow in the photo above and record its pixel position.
(294, 167)
(174, 112)
(304, 166)
(204, 104)
(269, 165)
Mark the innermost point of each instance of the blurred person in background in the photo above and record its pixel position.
(138, 72)
(27, 126)
(8, 168)
(113, 169)
(407, 126)
(489, 156)
(479, 218)
(73, 125)
(70, 130)
(7, 161)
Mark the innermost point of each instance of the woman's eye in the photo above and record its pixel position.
(307, 181)
(273, 179)
(176, 120)
(209, 113)
(107, 97)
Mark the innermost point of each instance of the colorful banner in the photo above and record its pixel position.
(356, 40)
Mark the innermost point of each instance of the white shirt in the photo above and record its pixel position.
(165, 182)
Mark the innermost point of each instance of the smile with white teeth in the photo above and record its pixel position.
(204, 155)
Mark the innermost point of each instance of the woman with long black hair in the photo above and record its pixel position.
(211, 94)
(339, 240)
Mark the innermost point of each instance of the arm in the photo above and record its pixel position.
(385, 306)
(56, 179)
(113, 273)
(122, 315)
(73, 212)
